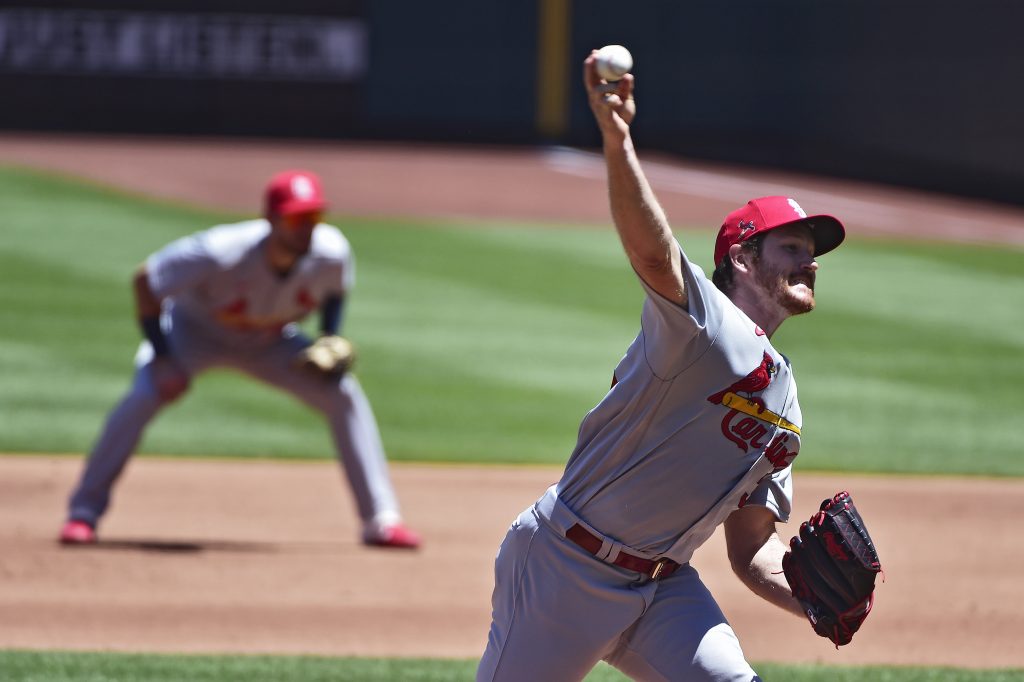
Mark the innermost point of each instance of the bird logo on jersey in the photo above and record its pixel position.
(305, 299)
(754, 382)
(238, 314)
(746, 423)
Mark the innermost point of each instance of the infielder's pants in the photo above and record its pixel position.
(557, 611)
(343, 403)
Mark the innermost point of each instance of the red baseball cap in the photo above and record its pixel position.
(294, 191)
(767, 213)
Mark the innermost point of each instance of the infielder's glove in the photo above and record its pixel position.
(831, 569)
(330, 356)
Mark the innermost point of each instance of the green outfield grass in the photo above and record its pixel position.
(25, 666)
(489, 342)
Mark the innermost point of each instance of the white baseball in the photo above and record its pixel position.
(613, 62)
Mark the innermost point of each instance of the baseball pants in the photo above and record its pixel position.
(343, 403)
(558, 610)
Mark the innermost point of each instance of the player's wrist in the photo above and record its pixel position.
(617, 146)
(332, 310)
(154, 333)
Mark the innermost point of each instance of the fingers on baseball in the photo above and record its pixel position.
(590, 78)
(622, 89)
(593, 80)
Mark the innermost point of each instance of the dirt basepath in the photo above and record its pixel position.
(262, 557)
(548, 184)
(214, 556)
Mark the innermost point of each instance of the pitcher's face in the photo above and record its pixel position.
(786, 268)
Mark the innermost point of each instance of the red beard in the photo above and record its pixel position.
(776, 285)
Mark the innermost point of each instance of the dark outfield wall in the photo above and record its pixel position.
(924, 94)
(182, 66)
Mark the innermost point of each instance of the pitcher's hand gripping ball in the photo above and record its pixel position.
(831, 569)
(330, 356)
(613, 62)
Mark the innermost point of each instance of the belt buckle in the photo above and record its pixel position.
(659, 565)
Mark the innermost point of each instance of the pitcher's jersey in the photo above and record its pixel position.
(219, 280)
(702, 418)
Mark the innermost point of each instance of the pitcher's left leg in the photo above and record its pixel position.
(682, 636)
(556, 610)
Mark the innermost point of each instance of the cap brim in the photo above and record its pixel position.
(301, 206)
(828, 232)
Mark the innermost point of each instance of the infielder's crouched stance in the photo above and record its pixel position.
(230, 297)
(700, 428)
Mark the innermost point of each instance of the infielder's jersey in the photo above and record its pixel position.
(702, 418)
(220, 280)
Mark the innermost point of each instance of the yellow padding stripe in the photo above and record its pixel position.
(553, 67)
(735, 402)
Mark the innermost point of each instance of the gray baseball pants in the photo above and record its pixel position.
(343, 403)
(558, 610)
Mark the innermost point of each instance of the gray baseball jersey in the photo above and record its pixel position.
(219, 279)
(702, 418)
(695, 423)
(225, 307)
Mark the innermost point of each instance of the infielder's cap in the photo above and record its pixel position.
(767, 213)
(294, 191)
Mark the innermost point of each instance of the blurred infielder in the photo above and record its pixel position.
(699, 428)
(230, 297)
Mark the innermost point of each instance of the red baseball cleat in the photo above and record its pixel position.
(397, 536)
(77, 532)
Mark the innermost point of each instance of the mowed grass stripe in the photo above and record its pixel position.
(29, 666)
(489, 342)
(912, 356)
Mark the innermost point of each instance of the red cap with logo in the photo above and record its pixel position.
(293, 191)
(767, 213)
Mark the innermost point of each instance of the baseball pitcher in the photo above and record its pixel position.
(700, 428)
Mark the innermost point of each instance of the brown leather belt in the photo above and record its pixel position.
(662, 568)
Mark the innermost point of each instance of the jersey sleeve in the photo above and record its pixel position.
(180, 265)
(333, 250)
(775, 493)
(348, 272)
(674, 335)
